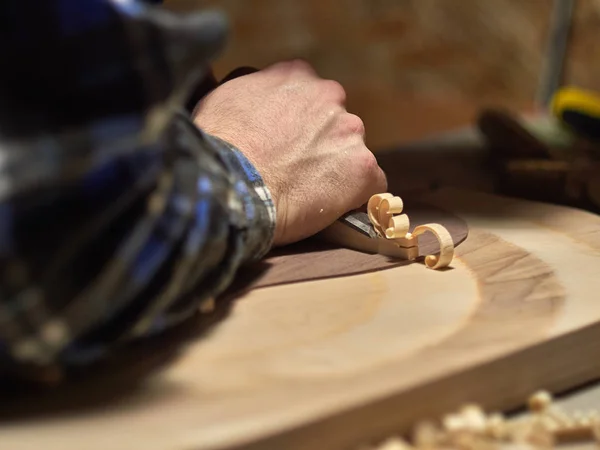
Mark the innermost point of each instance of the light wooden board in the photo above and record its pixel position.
(330, 364)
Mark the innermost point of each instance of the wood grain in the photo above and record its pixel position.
(333, 363)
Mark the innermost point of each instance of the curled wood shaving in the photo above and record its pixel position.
(446, 245)
(469, 428)
(381, 209)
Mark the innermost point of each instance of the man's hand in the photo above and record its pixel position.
(293, 126)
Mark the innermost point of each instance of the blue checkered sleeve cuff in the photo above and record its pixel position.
(259, 212)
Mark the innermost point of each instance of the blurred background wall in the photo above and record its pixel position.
(411, 67)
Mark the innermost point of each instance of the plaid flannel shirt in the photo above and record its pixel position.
(118, 216)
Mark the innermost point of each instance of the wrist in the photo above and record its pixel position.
(260, 212)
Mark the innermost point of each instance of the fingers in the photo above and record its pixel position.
(374, 178)
(376, 183)
(332, 91)
(310, 112)
(368, 178)
(380, 183)
(353, 125)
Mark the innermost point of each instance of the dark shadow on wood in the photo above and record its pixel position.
(310, 245)
(121, 375)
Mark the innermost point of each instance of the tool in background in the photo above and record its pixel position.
(553, 158)
(578, 109)
(558, 40)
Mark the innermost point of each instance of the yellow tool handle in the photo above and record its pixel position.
(576, 99)
(579, 109)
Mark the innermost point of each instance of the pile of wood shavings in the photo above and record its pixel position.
(546, 427)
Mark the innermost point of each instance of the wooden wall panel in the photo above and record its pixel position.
(410, 66)
(583, 64)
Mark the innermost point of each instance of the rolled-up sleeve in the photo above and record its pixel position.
(131, 249)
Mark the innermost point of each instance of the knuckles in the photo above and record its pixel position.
(333, 90)
(347, 124)
(367, 162)
(354, 124)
